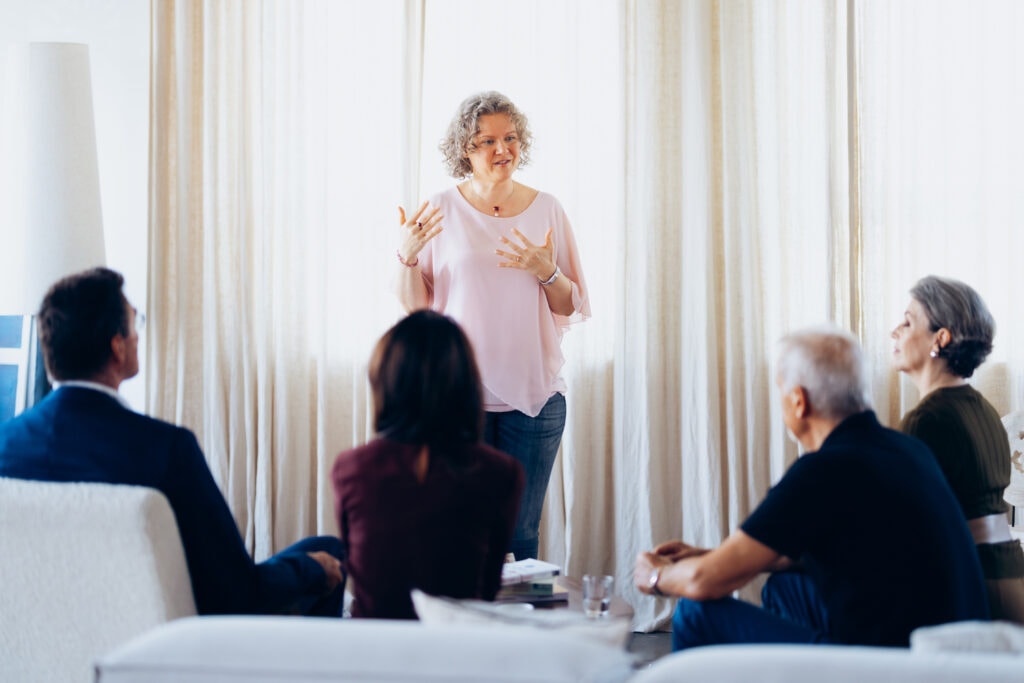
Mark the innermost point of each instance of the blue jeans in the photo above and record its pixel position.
(533, 441)
(792, 614)
(793, 595)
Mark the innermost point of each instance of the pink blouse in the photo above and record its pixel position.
(504, 312)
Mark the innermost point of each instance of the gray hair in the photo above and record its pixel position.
(829, 365)
(956, 306)
(458, 141)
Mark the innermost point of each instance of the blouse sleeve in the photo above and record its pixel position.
(568, 260)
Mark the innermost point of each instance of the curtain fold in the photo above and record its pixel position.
(262, 224)
(733, 170)
(734, 210)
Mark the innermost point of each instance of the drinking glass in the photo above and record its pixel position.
(597, 595)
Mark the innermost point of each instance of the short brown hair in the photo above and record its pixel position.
(79, 316)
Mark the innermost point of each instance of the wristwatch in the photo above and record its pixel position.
(652, 582)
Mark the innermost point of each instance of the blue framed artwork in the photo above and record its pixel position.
(14, 339)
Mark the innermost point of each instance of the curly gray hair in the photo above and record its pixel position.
(458, 141)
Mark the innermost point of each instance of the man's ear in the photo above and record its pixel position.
(801, 407)
(119, 348)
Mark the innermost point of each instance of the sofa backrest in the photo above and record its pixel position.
(84, 568)
(833, 663)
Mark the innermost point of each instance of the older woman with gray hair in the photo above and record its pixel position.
(501, 259)
(945, 334)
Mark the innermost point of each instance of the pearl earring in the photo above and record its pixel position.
(933, 353)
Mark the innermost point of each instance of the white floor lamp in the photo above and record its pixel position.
(54, 213)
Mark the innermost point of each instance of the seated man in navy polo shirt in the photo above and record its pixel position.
(882, 545)
(83, 431)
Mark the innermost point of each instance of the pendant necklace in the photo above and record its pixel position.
(497, 208)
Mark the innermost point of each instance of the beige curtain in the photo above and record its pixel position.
(268, 262)
(703, 151)
(737, 214)
(941, 104)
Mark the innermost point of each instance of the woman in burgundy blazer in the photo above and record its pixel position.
(425, 504)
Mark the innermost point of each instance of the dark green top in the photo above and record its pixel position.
(967, 437)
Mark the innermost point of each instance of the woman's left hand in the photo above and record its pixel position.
(535, 258)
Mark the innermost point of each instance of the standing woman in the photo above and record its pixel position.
(504, 264)
(945, 334)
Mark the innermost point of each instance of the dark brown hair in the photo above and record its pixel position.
(79, 316)
(425, 383)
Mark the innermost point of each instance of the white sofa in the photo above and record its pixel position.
(831, 664)
(296, 650)
(83, 568)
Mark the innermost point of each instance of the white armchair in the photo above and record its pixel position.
(85, 568)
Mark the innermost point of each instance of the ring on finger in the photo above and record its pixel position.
(419, 225)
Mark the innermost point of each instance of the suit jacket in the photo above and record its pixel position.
(80, 434)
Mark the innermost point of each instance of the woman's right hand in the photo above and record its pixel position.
(423, 226)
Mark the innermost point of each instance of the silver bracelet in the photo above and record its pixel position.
(554, 276)
(407, 264)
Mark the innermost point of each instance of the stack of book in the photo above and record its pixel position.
(533, 581)
(537, 592)
(527, 570)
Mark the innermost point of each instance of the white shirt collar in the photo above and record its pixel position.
(95, 386)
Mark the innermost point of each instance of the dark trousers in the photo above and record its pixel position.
(792, 612)
(277, 589)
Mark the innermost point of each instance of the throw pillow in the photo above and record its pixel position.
(970, 636)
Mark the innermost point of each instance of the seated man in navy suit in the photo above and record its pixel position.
(867, 512)
(84, 431)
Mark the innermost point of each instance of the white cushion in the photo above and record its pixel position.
(433, 610)
(296, 649)
(831, 663)
(970, 636)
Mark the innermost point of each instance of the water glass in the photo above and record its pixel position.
(597, 595)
